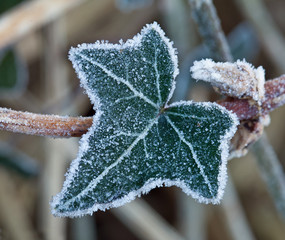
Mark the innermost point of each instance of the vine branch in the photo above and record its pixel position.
(245, 110)
(43, 125)
(65, 126)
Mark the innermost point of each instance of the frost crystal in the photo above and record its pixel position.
(239, 79)
(137, 141)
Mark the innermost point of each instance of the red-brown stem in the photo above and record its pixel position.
(245, 109)
(43, 125)
(59, 126)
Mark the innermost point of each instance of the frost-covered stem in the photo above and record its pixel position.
(274, 98)
(43, 125)
(272, 172)
(208, 22)
(64, 126)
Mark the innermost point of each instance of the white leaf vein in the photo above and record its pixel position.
(189, 116)
(157, 77)
(178, 148)
(145, 148)
(181, 137)
(96, 180)
(119, 79)
(126, 134)
(124, 99)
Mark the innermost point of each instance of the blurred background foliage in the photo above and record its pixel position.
(36, 76)
(6, 5)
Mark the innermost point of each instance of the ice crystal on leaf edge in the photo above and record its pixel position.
(61, 207)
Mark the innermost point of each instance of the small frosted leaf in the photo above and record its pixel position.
(138, 141)
(239, 79)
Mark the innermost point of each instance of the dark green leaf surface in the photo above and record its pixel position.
(138, 141)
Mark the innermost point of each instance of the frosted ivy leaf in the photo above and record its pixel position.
(138, 141)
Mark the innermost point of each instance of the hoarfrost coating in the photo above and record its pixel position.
(239, 79)
(137, 141)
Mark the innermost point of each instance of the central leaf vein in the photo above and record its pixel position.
(190, 116)
(96, 180)
(145, 148)
(181, 137)
(157, 77)
(121, 80)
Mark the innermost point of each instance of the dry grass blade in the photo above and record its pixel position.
(140, 218)
(30, 16)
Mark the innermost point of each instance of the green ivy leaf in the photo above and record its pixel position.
(138, 141)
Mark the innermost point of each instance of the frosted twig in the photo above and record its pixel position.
(271, 171)
(43, 125)
(63, 126)
(205, 15)
(274, 97)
